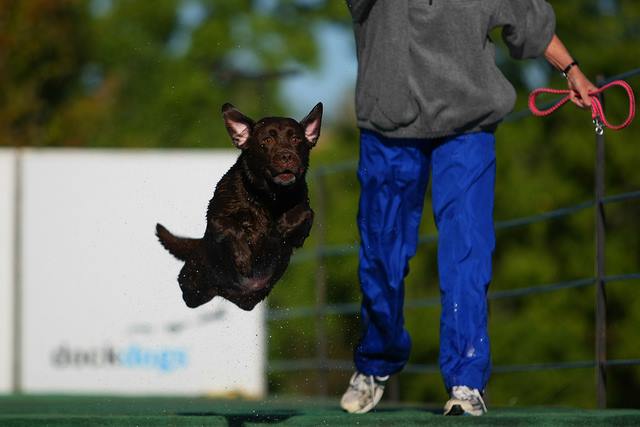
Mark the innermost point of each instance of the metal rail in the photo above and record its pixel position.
(417, 368)
(601, 294)
(338, 250)
(352, 308)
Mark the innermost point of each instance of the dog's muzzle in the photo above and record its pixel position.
(286, 167)
(285, 178)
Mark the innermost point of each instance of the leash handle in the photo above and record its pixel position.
(597, 111)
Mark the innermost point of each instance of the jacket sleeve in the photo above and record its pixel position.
(360, 9)
(527, 26)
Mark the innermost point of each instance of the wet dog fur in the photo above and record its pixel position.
(258, 214)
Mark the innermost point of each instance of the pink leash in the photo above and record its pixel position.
(597, 112)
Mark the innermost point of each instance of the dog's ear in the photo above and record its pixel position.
(311, 124)
(238, 125)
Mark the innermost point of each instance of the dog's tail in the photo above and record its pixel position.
(180, 247)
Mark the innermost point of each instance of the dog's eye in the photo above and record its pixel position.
(268, 140)
(296, 140)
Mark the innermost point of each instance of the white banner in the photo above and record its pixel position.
(7, 209)
(102, 308)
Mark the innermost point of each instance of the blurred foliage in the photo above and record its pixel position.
(124, 73)
(117, 73)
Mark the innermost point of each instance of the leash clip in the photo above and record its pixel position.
(599, 125)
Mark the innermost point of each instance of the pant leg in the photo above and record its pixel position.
(463, 173)
(393, 175)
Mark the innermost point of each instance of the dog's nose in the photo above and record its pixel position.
(285, 157)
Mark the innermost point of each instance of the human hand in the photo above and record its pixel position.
(580, 87)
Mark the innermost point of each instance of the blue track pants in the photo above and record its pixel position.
(393, 175)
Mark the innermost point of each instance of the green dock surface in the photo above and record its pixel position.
(181, 411)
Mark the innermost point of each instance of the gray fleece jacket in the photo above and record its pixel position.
(426, 68)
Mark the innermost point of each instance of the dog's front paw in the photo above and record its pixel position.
(295, 225)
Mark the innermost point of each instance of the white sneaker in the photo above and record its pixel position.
(465, 401)
(363, 394)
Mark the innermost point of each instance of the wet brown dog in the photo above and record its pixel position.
(258, 214)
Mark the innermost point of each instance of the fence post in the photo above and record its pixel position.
(17, 273)
(601, 295)
(321, 285)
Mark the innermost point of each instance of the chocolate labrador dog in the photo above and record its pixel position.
(258, 214)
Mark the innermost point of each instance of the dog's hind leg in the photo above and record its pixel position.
(195, 282)
(228, 237)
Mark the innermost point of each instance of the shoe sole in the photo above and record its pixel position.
(455, 411)
(366, 408)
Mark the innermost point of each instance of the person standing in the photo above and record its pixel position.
(429, 97)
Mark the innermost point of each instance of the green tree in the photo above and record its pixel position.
(43, 45)
(144, 74)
